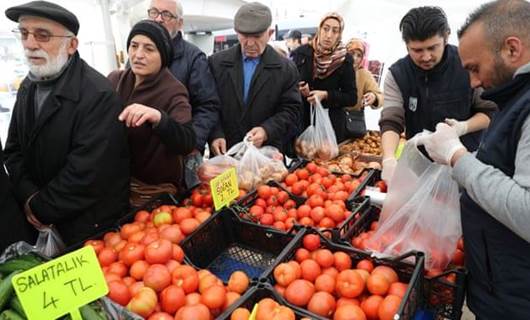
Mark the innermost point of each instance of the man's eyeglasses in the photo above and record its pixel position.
(153, 13)
(39, 35)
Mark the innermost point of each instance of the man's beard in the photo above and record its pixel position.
(52, 66)
(502, 73)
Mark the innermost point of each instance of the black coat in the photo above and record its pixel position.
(190, 66)
(340, 85)
(274, 101)
(15, 227)
(74, 156)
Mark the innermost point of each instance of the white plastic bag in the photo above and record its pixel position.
(421, 211)
(257, 166)
(318, 141)
(49, 242)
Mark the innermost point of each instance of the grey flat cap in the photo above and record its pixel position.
(252, 18)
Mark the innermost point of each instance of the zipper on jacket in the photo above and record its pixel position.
(426, 87)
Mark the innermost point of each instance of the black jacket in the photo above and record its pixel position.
(15, 226)
(274, 101)
(340, 85)
(74, 156)
(190, 67)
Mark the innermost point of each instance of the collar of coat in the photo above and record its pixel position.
(270, 59)
(68, 86)
(178, 45)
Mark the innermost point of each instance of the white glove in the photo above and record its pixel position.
(442, 144)
(389, 165)
(459, 126)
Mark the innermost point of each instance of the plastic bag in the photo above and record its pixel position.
(213, 167)
(257, 166)
(421, 211)
(318, 141)
(49, 242)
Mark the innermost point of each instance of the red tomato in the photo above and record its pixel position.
(197, 199)
(157, 277)
(142, 216)
(161, 316)
(159, 251)
(186, 277)
(144, 302)
(311, 242)
(131, 253)
(193, 312)
(119, 293)
(98, 245)
(172, 298)
(107, 256)
(349, 284)
(264, 192)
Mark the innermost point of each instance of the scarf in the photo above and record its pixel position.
(361, 46)
(326, 61)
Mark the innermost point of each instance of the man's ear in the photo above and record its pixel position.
(513, 48)
(72, 47)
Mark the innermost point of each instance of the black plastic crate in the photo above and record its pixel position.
(445, 298)
(368, 214)
(224, 244)
(371, 178)
(409, 267)
(262, 291)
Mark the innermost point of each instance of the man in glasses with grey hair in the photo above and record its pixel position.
(190, 66)
(66, 151)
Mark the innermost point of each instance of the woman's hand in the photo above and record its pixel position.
(137, 114)
(369, 99)
(304, 88)
(320, 94)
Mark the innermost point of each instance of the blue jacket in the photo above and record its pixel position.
(190, 67)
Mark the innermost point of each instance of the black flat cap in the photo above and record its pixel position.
(46, 10)
(252, 18)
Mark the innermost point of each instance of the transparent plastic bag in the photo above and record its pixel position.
(421, 211)
(318, 141)
(257, 166)
(49, 242)
(211, 168)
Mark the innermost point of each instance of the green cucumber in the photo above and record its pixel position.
(17, 306)
(6, 289)
(10, 315)
(88, 313)
(19, 263)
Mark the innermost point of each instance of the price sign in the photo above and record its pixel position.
(61, 286)
(224, 188)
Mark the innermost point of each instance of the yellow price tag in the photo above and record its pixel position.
(61, 286)
(254, 312)
(224, 188)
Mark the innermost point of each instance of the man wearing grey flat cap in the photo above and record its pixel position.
(257, 87)
(66, 151)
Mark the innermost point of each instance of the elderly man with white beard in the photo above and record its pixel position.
(66, 151)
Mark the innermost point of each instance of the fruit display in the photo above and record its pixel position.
(369, 144)
(335, 283)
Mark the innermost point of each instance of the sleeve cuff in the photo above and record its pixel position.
(464, 167)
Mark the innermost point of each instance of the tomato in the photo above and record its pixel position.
(196, 199)
(189, 225)
(256, 211)
(150, 237)
(332, 271)
(172, 233)
(342, 260)
(302, 174)
(172, 298)
(207, 281)
(297, 188)
(324, 258)
(311, 242)
(193, 299)
(296, 267)
(282, 197)
(214, 297)
(266, 219)
(335, 212)
(284, 274)
(317, 214)
(264, 192)
(193, 312)
(290, 179)
(269, 309)
(365, 264)
(159, 251)
(144, 302)
(303, 211)
(111, 238)
(388, 272)
(118, 268)
(377, 284)
(160, 316)
(157, 277)
(129, 229)
(138, 269)
(98, 245)
(302, 254)
(142, 216)
(312, 167)
(349, 312)
(398, 289)
(161, 218)
(299, 292)
(349, 284)
(322, 303)
(107, 256)
(310, 269)
(181, 213)
(388, 307)
(240, 314)
(344, 301)
(231, 297)
(186, 277)
(381, 185)
(325, 282)
(238, 282)
(119, 293)
(315, 200)
(129, 281)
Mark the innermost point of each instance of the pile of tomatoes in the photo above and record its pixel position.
(327, 283)
(266, 309)
(144, 270)
(325, 206)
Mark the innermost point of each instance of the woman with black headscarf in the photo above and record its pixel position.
(326, 73)
(157, 112)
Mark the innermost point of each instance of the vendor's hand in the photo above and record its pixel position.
(137, 114)
(459, 126)
(29, 213)
(442, 144)
(388, 168)
(257, 136)
(369, 99)
(304, 88)
(218, 146)
(321, 95)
